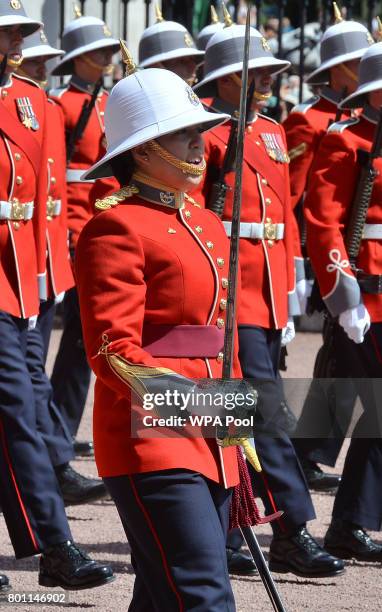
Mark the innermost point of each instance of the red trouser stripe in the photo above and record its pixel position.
(23, 510)
(272, 500)
(157, 540)
(376, 347)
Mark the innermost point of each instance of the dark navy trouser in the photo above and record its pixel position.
(29, 494)
(359, 496)
(176, 523)
(259, 351)
(71, 373)
(50, 422)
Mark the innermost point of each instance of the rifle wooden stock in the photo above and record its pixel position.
(87, 108)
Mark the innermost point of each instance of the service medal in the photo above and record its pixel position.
(26, 114)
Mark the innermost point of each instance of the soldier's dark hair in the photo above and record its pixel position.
(123, 168)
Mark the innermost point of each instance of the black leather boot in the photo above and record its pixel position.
(77, 489)
(68, 567)
(349, 541)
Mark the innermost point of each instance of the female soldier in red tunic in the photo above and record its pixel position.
(152, 272)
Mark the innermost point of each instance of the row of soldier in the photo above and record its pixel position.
(35, 462)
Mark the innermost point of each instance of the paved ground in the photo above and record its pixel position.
(96, 527)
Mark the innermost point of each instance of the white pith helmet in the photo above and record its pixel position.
(145, 105)
(13, 13)
(225, 52)
(370, 77)
(37, 45)
(342, 42)
(80, 36)
(166, 40)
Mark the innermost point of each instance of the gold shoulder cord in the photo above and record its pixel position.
(116, 198)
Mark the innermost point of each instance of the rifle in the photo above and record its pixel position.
(219, 187)
(362, 196)
(87, 108)
(247, 531)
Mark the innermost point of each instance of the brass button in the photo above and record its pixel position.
(223, 304)
(209, 244)
(220, 357)
(102, 113)
(258, 143)
(220, 262)
(268, 200)
(187, 214)
(171, 230)
(17, 156)
(224, 283)
(198, 229)
(53, 180)
(220, 323)
(19, 180)
(50, 160)
(4, 93)
(249, 129)
(271, 243)
(16, 225)
(264, 181)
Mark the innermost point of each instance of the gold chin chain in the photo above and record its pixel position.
(262, 97)
(15, 63)
(352, 75)
(185, 167)
(108, 69)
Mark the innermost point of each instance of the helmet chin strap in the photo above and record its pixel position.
(352, 75)
(185, 167)
(261, 97)
(15, 64)
(108, 69)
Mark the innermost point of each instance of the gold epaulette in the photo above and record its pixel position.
(115, 198)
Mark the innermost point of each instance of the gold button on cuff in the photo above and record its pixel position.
(220, 323)
(220, 262)
(198, 229)
(264, 181)
(220, 357)
(224, 283)
(17, 156)
(19, 180)
(223, 304)
(209, 244)
(187, 214)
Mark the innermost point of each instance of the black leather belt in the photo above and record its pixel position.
(370, 283)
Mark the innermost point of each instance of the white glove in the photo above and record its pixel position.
(58, 299)
(288, 333)
(304, 290)
(356, 322)
(32, 322)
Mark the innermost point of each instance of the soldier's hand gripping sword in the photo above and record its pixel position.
(247, 532)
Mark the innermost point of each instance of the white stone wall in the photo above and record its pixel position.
(48, 11)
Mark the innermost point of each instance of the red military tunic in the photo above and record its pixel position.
(304, 128)
(90, 148)
(138, 265)
(59, 268)
(267, 266)
(23, 248)
(327, 207)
